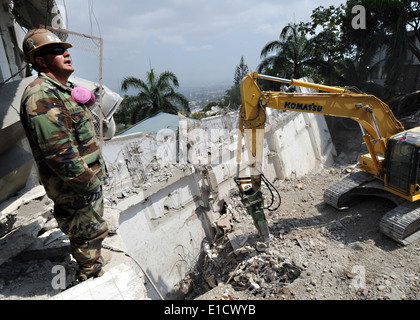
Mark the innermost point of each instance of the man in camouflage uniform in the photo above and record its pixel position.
(65, 147)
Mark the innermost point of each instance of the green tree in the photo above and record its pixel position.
(328, 45)
(340, 58)
(232, 97)
(390, 24)
(289, 57)
(240, 72)
(356, 72)
(125, 117)
(155, 94)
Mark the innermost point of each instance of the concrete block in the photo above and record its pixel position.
(17, 241)
(53, 243)
(123, 282)
(166, 246)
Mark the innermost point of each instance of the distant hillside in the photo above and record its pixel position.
(200, 96)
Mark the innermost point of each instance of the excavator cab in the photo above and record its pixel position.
(402, 164)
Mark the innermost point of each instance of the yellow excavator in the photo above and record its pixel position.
(391, 169)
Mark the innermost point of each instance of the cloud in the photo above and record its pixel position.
(179, 22)
(198, 48)
(182, 34)
(182, 22)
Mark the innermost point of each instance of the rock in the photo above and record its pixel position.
(211, 280)
(225, 222)
(50, 225)
(15, 242)
(6, 223)
(381, 287)
(237, 239)
(244, 250)
(261, 246)
(254, 284)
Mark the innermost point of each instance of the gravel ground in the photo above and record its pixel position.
(317, 252)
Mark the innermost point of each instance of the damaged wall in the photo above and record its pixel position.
(169, 190)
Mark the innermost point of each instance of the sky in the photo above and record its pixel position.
(200, 41)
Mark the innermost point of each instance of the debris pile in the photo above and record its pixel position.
(238, 262)
(34, 245)
(264, 275)
(317, 252)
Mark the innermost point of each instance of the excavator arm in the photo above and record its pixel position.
(374, 117)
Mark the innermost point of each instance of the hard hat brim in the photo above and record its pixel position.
(33, 53)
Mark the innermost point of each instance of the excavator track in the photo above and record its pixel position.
(401, 224)
(340, 193)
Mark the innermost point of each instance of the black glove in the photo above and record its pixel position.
(95, 195)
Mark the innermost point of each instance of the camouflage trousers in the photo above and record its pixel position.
(86, 229)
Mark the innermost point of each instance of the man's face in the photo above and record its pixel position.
(57, 61)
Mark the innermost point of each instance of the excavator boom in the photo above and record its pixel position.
(376, 120)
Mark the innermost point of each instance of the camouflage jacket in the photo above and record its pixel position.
(62, 137)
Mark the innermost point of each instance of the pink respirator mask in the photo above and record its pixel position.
(83, 96)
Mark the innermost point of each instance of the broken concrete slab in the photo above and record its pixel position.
(9, 210)
(237, 239)
(123, 282)
(53, 243)
(24, 197)
(111, 216)
(16, 241)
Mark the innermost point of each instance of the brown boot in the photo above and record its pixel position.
(106, 257)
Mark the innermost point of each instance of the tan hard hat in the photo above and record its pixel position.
(38, 38)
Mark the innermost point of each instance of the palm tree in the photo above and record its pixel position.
(155, 94)
(293, 54)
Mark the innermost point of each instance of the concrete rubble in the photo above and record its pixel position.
(317, 253)
(35, 245)
(265, 274)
